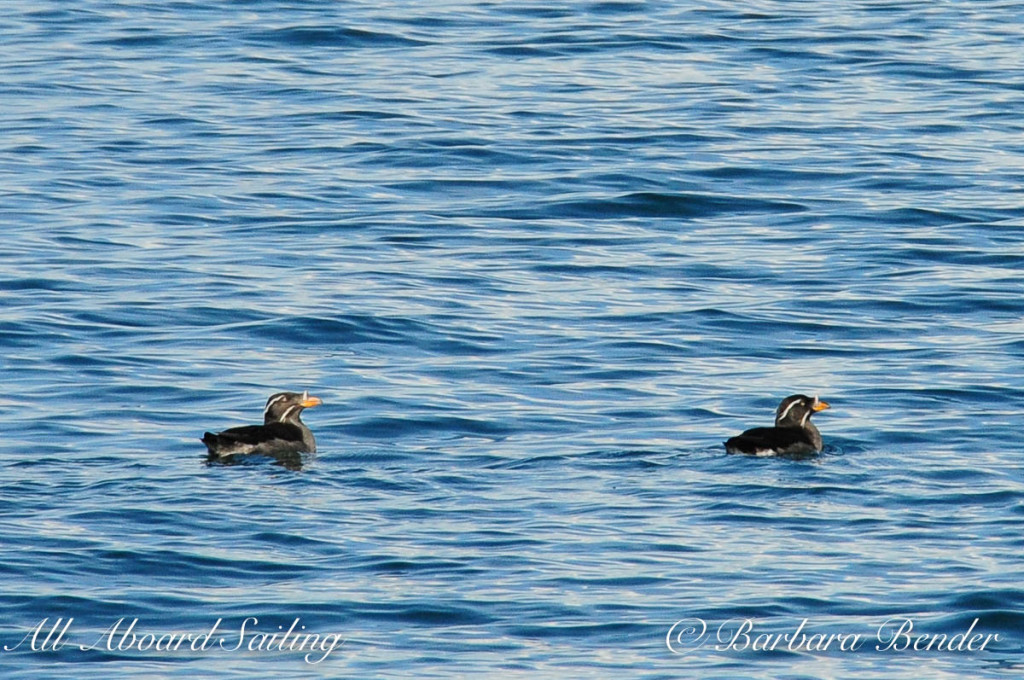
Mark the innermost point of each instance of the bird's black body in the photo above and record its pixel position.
(767, 441)
(793, 435)
(282, 431)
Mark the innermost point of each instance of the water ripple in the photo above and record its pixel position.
(540, 262)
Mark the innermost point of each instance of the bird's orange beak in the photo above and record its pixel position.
(820, 406)
(310, 402)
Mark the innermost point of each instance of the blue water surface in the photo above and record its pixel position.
(539, 260)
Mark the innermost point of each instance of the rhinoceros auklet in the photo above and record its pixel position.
(282, 430)
(794, 434)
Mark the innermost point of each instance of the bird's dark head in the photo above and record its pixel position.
(796, 410)
(285, 407)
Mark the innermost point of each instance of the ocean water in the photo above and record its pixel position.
(539, 260)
